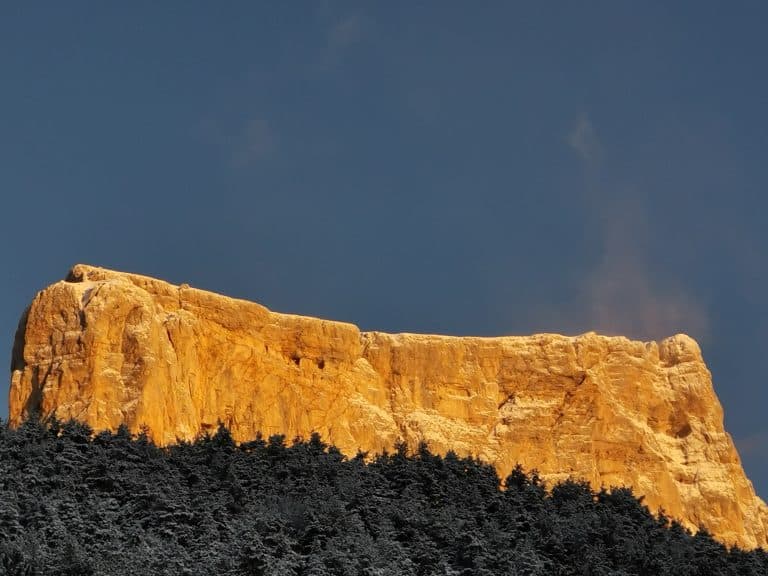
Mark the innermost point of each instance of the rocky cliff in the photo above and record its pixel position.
(107, 347)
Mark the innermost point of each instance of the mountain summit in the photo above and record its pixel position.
(108, 347)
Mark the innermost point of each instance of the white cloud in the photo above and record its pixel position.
(582, 139)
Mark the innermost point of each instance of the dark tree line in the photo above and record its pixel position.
(111, 504)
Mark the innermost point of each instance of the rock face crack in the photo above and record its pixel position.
(604, 409)
(510, 399)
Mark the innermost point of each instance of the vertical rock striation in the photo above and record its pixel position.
(109, 348)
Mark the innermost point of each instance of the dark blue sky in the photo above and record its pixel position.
(465, 168)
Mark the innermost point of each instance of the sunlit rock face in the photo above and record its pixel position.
(109, 348)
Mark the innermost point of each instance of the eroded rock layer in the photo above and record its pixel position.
(109, 348)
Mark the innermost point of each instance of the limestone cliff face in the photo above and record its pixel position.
(107, 347)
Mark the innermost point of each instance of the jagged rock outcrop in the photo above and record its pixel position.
(107, 347)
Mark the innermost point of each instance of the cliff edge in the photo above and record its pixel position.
(108, 348)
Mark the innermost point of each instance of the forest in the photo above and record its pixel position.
(76, 503)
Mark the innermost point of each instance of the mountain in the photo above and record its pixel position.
(108, 348)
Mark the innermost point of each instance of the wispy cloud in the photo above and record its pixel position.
(240, 140)
(624, 297)
(621, 294)
(255, 142)
(583, 140)
(343, 36)
(346, 32)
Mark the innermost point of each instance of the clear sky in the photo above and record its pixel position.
(466, 168)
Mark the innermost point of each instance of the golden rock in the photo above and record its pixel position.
(108, 348)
